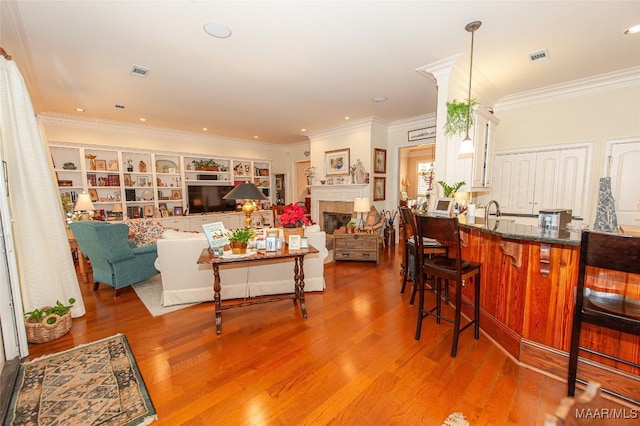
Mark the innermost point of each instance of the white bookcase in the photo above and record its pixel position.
(146, 183)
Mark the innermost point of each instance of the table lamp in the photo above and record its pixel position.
(248, 192)
(361, 205)
(84, 205)
(117, 209)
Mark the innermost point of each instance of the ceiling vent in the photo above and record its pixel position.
(538, 56)
(140, 71)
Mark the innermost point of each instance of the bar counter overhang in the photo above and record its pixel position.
(527, 300)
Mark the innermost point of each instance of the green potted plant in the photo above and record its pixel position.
(351, 227)
(48, 322)
(450, 190)
(239, 238)
(456, 123)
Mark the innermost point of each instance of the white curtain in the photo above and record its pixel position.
(45, 265)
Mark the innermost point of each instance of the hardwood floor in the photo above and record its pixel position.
(354, 361)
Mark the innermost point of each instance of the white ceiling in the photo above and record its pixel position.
(296, 64)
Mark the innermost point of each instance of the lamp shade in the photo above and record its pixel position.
(84, 203)
(245, 191)
(361, 205)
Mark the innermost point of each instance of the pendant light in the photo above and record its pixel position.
(466, 147)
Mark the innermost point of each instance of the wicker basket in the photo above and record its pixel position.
(41, 332)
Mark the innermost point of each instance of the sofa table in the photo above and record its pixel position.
(362, 246)
(260, 256)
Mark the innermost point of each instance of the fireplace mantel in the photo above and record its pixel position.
(343, 192)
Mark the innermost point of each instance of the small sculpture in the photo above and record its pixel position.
(359, 172)
(92, 161)
(142, 166)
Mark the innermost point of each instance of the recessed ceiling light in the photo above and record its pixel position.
(633, 30)
(303, 130)
(217, 30)
(79, 109)
(347, 117)
(143, 119)
(255, 137)
(379, 98)
(204, 129)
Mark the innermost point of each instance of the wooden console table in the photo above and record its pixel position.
(82, 262)
(280, 255)
(362, 246)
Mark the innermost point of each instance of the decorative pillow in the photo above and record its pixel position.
(373, 218)
(145, 231)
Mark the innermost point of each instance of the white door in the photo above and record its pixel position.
(572, 175)
(513, 183)
(546, 181)
(624, 171)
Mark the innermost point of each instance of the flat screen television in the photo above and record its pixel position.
(209, 198)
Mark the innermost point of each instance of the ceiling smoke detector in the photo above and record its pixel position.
(140, 71)
(539, 55)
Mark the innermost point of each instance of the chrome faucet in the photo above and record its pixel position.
(486, 210)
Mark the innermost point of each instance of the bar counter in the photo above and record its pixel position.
(527, 298)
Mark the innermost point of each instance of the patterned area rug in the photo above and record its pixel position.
(150, 293)
(97, 383)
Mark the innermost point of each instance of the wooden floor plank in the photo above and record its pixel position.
(354, 361)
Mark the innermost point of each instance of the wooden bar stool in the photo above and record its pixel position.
(615, 308)
(409, 259)
(445, 230)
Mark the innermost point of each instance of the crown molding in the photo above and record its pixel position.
(368, 122)
(74, 121)
(587, 86)
(423, 119)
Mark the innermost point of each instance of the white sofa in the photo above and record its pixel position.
(184, 281)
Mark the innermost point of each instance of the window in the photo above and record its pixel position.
(425, 170)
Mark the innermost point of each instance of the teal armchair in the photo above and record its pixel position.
(114, 259)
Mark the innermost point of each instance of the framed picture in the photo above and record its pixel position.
(271, 243)
(177, 211)
(93, 193)
(113, 165)
(279, 183)
(294, 242)
(379, 184)
(379, 160)
(142, 180)
(101, 165)
(337, 162)
(176, 194)
(148, 211)
(418, 134)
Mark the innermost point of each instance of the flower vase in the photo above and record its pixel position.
(238, 247)
(292, 231)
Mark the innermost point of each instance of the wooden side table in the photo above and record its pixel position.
(360, 246)
(82, 262)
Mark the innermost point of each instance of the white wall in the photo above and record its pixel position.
(590, 117)
(110, 133)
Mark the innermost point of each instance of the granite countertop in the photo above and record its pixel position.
(507, 228)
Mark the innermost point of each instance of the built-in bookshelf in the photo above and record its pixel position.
(145, 183)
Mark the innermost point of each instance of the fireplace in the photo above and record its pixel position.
(334, 220)
(337, 212)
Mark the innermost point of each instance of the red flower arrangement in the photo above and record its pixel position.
(293, 217)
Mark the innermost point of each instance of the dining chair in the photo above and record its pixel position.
(409, 258)
(614, 305)
(446, 269)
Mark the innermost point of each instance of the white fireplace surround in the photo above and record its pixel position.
(335, 199)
